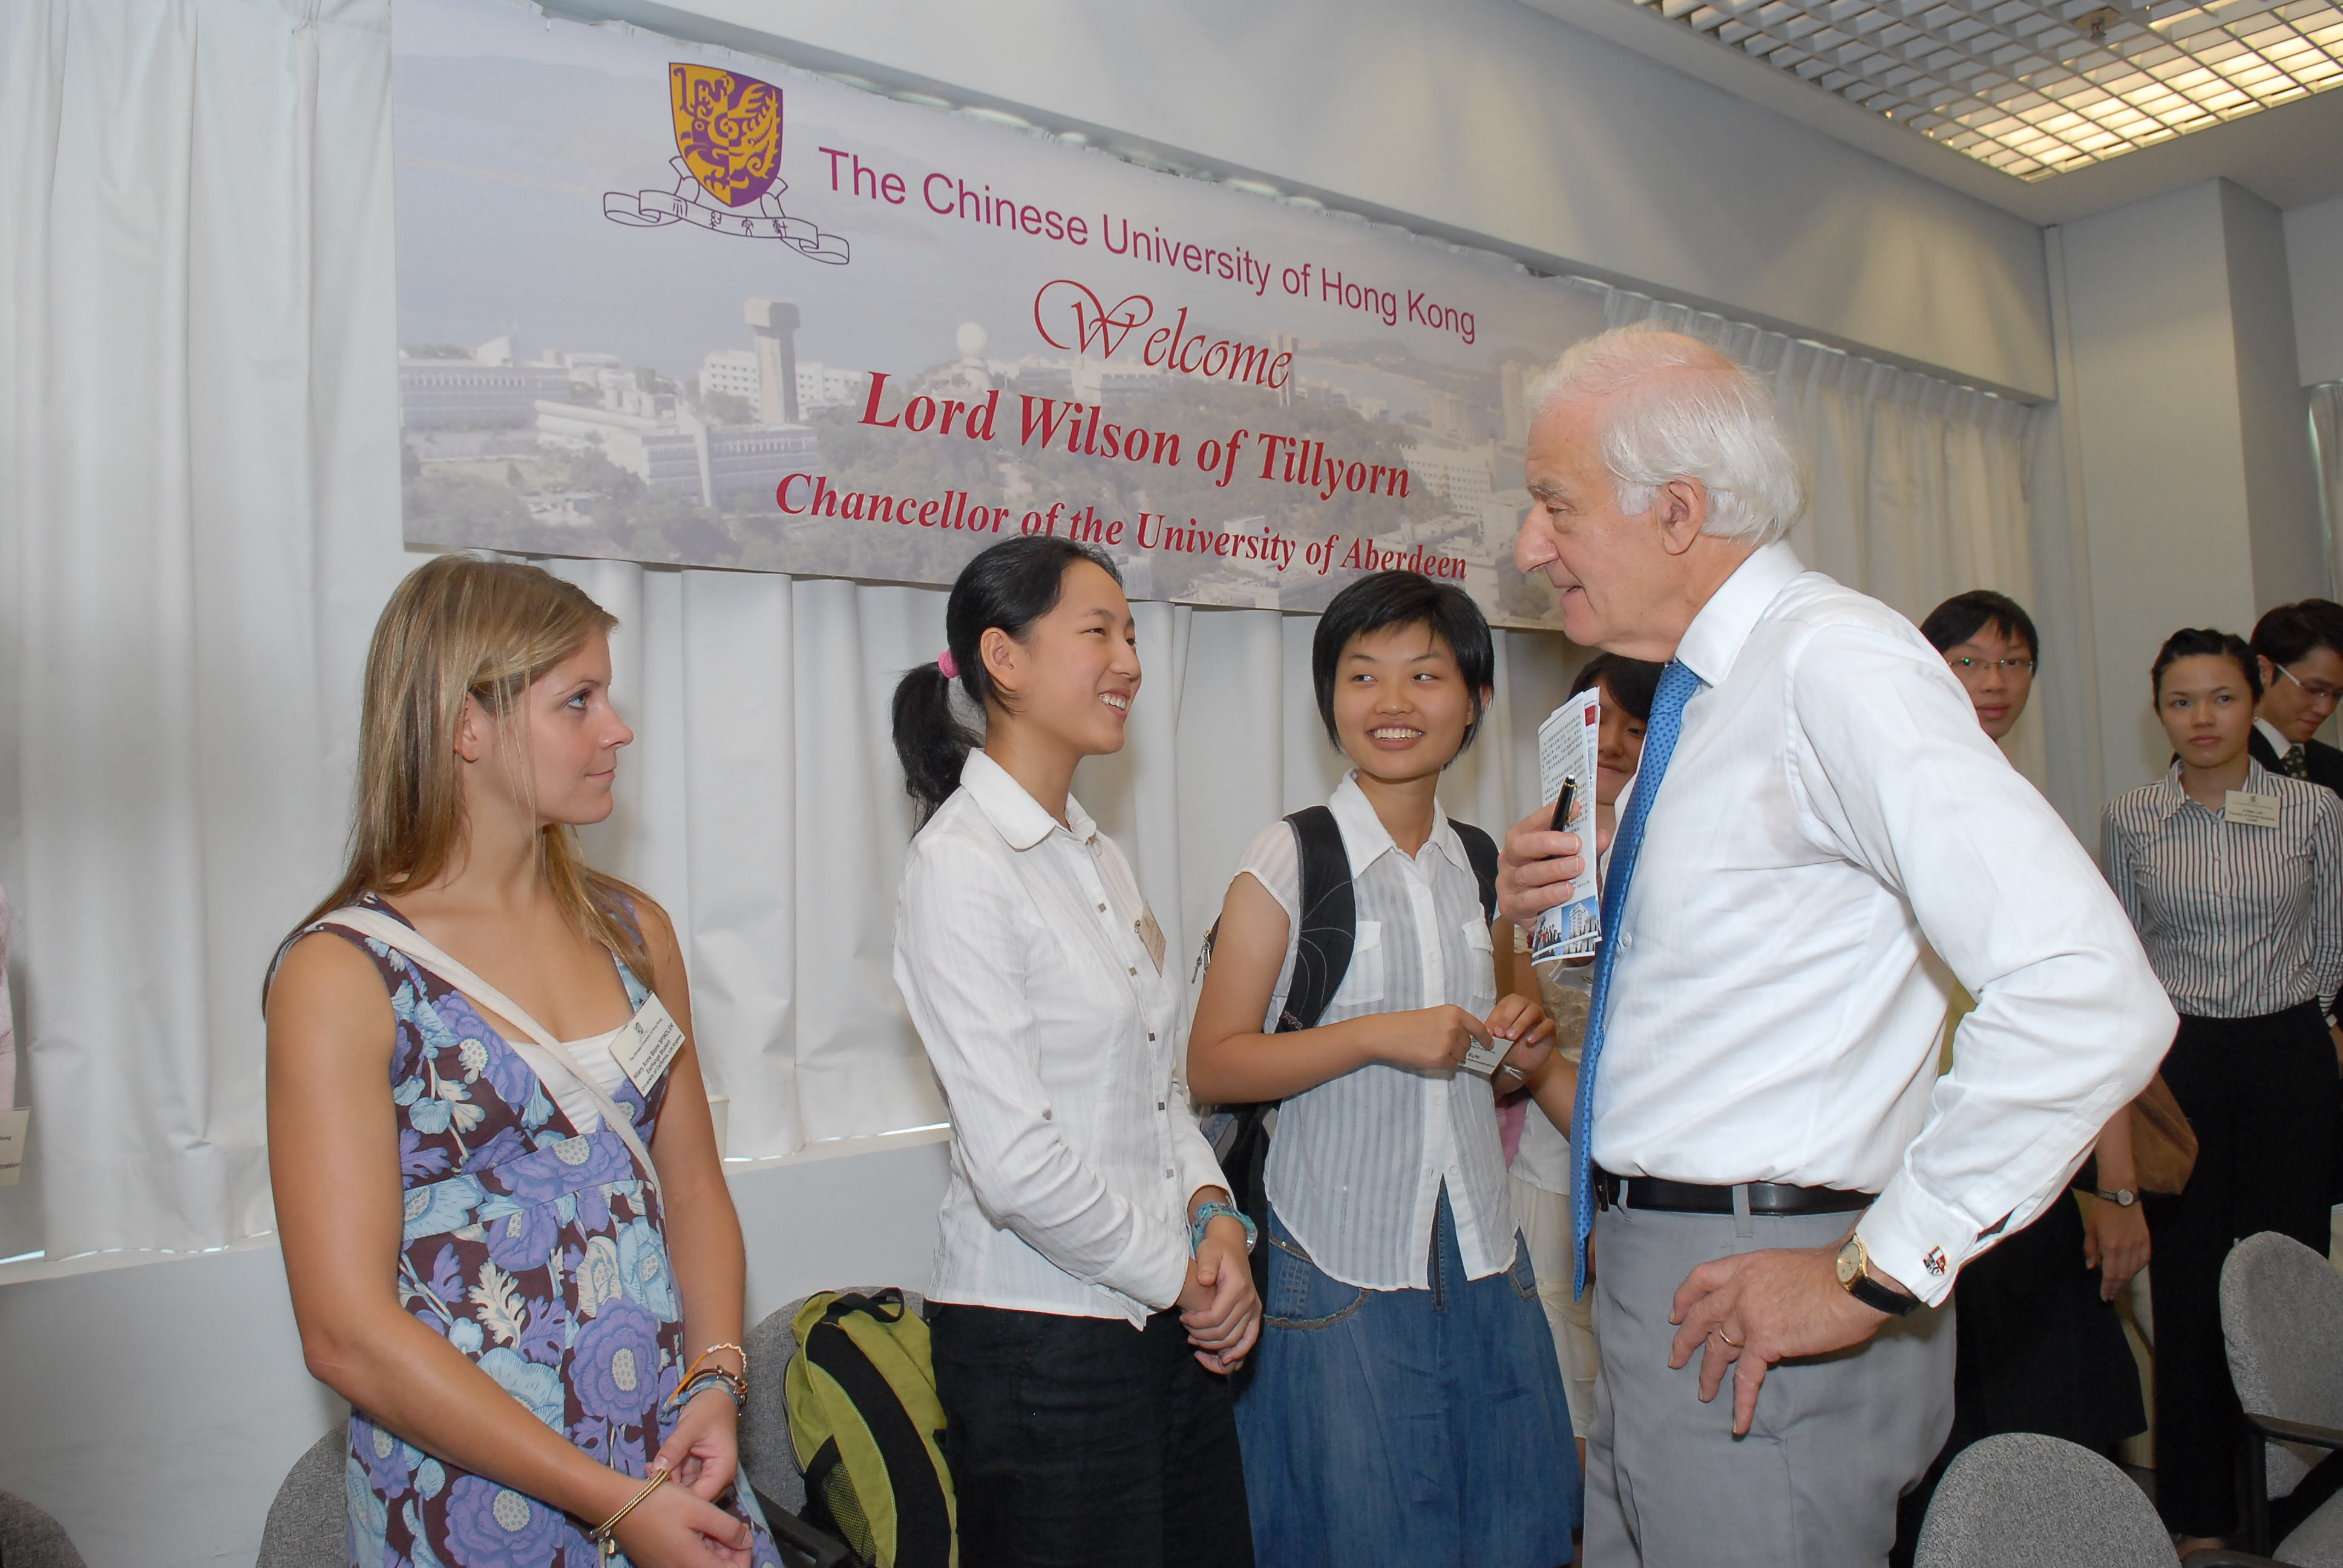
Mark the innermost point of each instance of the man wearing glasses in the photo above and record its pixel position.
(2300, 647)
(1988, 639)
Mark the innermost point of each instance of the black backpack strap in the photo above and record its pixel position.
(1327, 922)
(1482, 851)
(1326, 929)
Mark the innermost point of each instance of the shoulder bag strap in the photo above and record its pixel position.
(1328, 923)
(393, 933)
(1482, 851)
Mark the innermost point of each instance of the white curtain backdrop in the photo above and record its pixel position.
(2327, 447)
(199, 522)
(1916, 488)
(198, 518)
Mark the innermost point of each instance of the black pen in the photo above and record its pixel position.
(1562, 803)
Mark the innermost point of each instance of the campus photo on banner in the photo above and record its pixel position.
(670, 303)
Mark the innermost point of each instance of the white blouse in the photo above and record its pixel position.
(1357, 1164)
(1055, 1036)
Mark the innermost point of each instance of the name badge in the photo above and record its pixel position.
(2249, 811)
(648, 1045)
(1151, 935)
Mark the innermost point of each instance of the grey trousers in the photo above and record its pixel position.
(1836, 1438)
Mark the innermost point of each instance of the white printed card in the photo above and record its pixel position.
(647, 1044)
(1486, 1060)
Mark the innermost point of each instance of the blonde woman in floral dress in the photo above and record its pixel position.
(510, 1300)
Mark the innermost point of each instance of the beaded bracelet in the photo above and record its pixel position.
(711, 1350)
(713, 1377)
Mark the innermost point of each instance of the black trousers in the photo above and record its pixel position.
(1083, 1443)
(2260, 1094)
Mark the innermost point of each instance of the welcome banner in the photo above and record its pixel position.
(670, 303)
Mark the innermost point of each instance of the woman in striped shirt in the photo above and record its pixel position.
(2229, 873)
(1407, 1410)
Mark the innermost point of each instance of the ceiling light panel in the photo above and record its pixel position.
(2035, 88)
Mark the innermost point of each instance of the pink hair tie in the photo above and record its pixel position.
(945, 662)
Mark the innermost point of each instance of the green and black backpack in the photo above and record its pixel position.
(868, 1430)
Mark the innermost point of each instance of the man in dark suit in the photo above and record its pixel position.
(2300, 647)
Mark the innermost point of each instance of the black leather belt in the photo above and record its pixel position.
(1692, 1197)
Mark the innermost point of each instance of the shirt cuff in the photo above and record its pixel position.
(1198, 1169)
(1916, 1241)
(1152, 1268)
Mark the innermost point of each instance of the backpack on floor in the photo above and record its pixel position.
(869, 1430)
(1240, 1134)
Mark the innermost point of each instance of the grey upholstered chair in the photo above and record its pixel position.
(768, 1457)
(2025, 1500)
(2282, 1316)
(29, 1538)
(307, 1521)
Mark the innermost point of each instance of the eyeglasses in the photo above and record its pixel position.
(1969, 666)
(2317, 690)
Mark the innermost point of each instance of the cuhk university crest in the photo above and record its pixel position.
(728, 166)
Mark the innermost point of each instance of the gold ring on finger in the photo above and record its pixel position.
(1720, 1333)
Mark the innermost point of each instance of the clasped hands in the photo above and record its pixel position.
(681, 1523)
(1218, 1304)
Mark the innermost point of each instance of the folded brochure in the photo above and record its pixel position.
(1567, 743)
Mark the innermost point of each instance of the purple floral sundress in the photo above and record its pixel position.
(537, 1253)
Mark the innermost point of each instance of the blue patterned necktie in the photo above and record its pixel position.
(1676, 686)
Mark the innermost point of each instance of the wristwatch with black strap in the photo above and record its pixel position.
(1854, 1275)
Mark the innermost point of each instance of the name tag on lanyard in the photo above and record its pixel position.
(2249, 811)
(646, 1046)
(1150, 936)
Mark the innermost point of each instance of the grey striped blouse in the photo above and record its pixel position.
(1356, 1164)
(2238, 920)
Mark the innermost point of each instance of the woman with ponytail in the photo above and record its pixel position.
(1092, 1290)
(537, 1330)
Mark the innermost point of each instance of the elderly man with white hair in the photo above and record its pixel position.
(1781, 1177)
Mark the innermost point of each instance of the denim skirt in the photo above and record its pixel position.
(1417, 1429)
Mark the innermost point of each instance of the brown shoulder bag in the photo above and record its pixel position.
(2163, 1144)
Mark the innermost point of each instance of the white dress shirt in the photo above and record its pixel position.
(1056, 1039)
(1831, 810)
(1356, 1164)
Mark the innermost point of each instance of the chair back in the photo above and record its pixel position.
(29, 1538)
(308, 1521)
(2021, 1500)
(2282, 1316)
